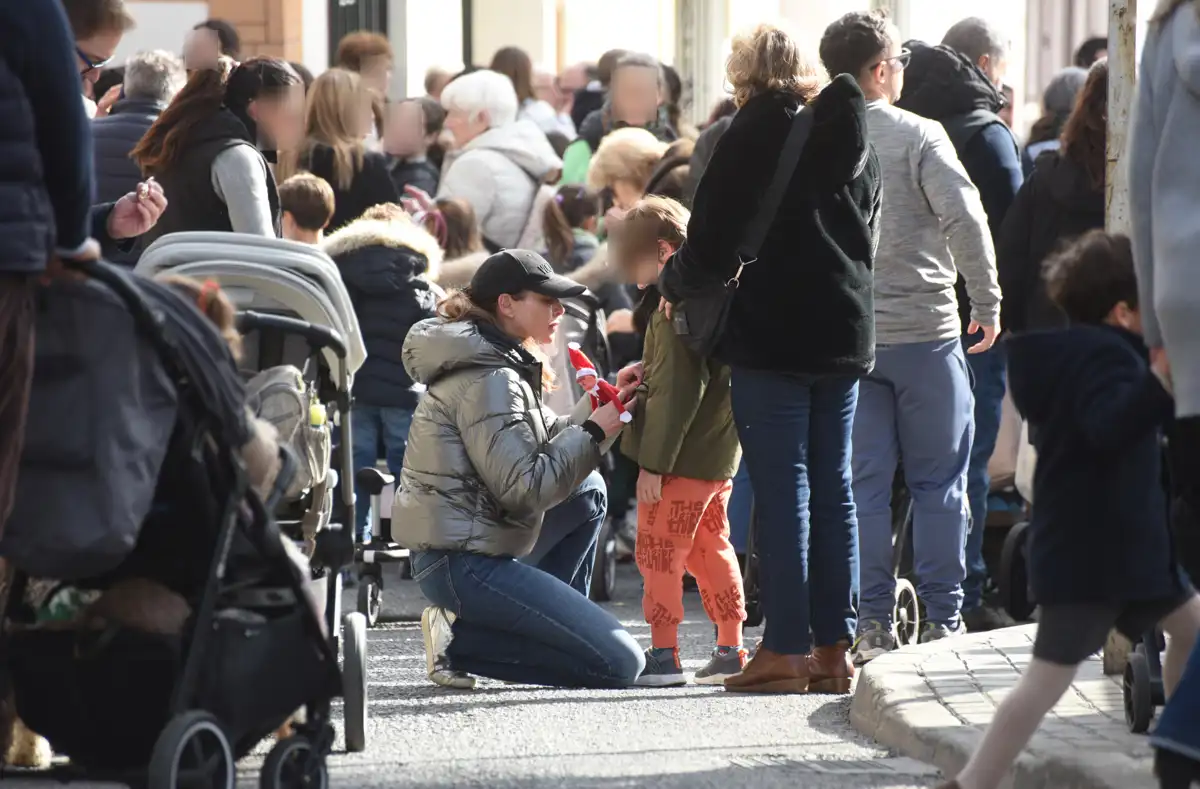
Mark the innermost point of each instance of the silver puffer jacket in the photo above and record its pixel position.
(485, 459)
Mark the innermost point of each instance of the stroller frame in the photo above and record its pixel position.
(307, 749)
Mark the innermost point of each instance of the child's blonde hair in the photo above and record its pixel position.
(637, 235)
(212, 303)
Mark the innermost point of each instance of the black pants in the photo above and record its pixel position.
(1184, 470)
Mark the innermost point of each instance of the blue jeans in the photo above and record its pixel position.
(988, 371)
(566, 545)
(741, 504)
(795, 433)
(369, 425)
(521, 624)
(915, 408)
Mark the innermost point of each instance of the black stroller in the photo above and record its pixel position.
(169, 710)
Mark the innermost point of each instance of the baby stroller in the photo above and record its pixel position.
(583, 322)
(302, 346)
(149, 707)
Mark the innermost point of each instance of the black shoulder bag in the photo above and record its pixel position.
(700, 319)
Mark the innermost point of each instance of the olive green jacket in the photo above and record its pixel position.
(684, 425)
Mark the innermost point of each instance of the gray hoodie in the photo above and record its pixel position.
(498, 173)
(1164, 181)
(933, 227)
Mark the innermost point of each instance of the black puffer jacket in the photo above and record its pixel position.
(114, 137)
(1056, 204)
(387, 268)
(813, 281)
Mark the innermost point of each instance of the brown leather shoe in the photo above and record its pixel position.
(771, 672)
(830, 669)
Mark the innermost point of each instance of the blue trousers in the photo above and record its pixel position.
(915, 408)
(371, 426)
(566, 546)
(795, 434)
(534, 624)
(740, 506)
(987, 369)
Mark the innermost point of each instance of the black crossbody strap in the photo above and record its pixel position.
(785, 168)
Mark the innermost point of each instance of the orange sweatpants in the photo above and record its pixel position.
(689, 529)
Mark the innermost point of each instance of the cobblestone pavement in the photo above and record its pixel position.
(932, 702)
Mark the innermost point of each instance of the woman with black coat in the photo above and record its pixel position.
(1062, 200)
(800, 335)
(339, 116)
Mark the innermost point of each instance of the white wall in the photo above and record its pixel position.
(528, 24)
(432, 37)
(314, 41)
(160, 26)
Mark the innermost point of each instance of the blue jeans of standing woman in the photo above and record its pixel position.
(795, 432)
(987, 371)
(915, 408)
(534, 624)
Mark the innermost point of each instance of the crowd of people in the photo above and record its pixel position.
(914, 262)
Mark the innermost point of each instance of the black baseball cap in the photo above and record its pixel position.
(515, 270)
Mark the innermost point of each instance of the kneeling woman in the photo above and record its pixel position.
(483, 465)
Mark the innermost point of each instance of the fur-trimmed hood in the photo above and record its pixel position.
(396, 234)
(456, 274)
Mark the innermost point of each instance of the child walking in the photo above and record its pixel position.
(686, 446)
(1100, 552)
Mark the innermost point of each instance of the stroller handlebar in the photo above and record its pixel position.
(319, 337)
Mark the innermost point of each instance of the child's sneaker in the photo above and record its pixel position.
(726, 662)
(874, 639)
(437, 628)
(663, 669)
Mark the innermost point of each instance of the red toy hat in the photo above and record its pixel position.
(582, 364)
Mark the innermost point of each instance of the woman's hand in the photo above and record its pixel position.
(138, 211)
(608, 418)
(664, 307)
(630, 376)
(649, 487)
(110, 97)
(620, 322)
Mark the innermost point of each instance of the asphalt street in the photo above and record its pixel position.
(501, 737)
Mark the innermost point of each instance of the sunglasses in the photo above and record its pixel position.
(900, 61)
(92, 63)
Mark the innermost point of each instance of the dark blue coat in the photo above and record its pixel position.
(386, 267)
(114, 137)
(45, 142)
(1100, 531)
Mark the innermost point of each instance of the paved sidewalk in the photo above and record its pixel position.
(932, 703)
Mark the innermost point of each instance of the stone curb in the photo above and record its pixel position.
(895, 706)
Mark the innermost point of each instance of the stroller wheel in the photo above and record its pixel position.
(604, 574)
(354, 680)
(192, 751)
(1014, 574)
(293, 764)
(1138, 691)
(907, 614)
(370, 599)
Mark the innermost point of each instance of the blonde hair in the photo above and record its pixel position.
(638, 232)
(387, 212)
(766, 60)
(627, 154)
(335, 105)
(459, 306)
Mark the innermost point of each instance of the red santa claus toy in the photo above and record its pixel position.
(598, 389)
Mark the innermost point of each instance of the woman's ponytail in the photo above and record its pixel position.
(167, 137)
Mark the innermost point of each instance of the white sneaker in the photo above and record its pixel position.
(436, 627)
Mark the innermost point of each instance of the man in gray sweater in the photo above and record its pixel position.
(917, 404)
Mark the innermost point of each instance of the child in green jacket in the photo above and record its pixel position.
(686, 445)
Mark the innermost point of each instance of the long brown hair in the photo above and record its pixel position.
(229, 85)
(1085, 135)
(335, 103)
(572, 206)
(514, 63)
(460, 306)
(1167, 7)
